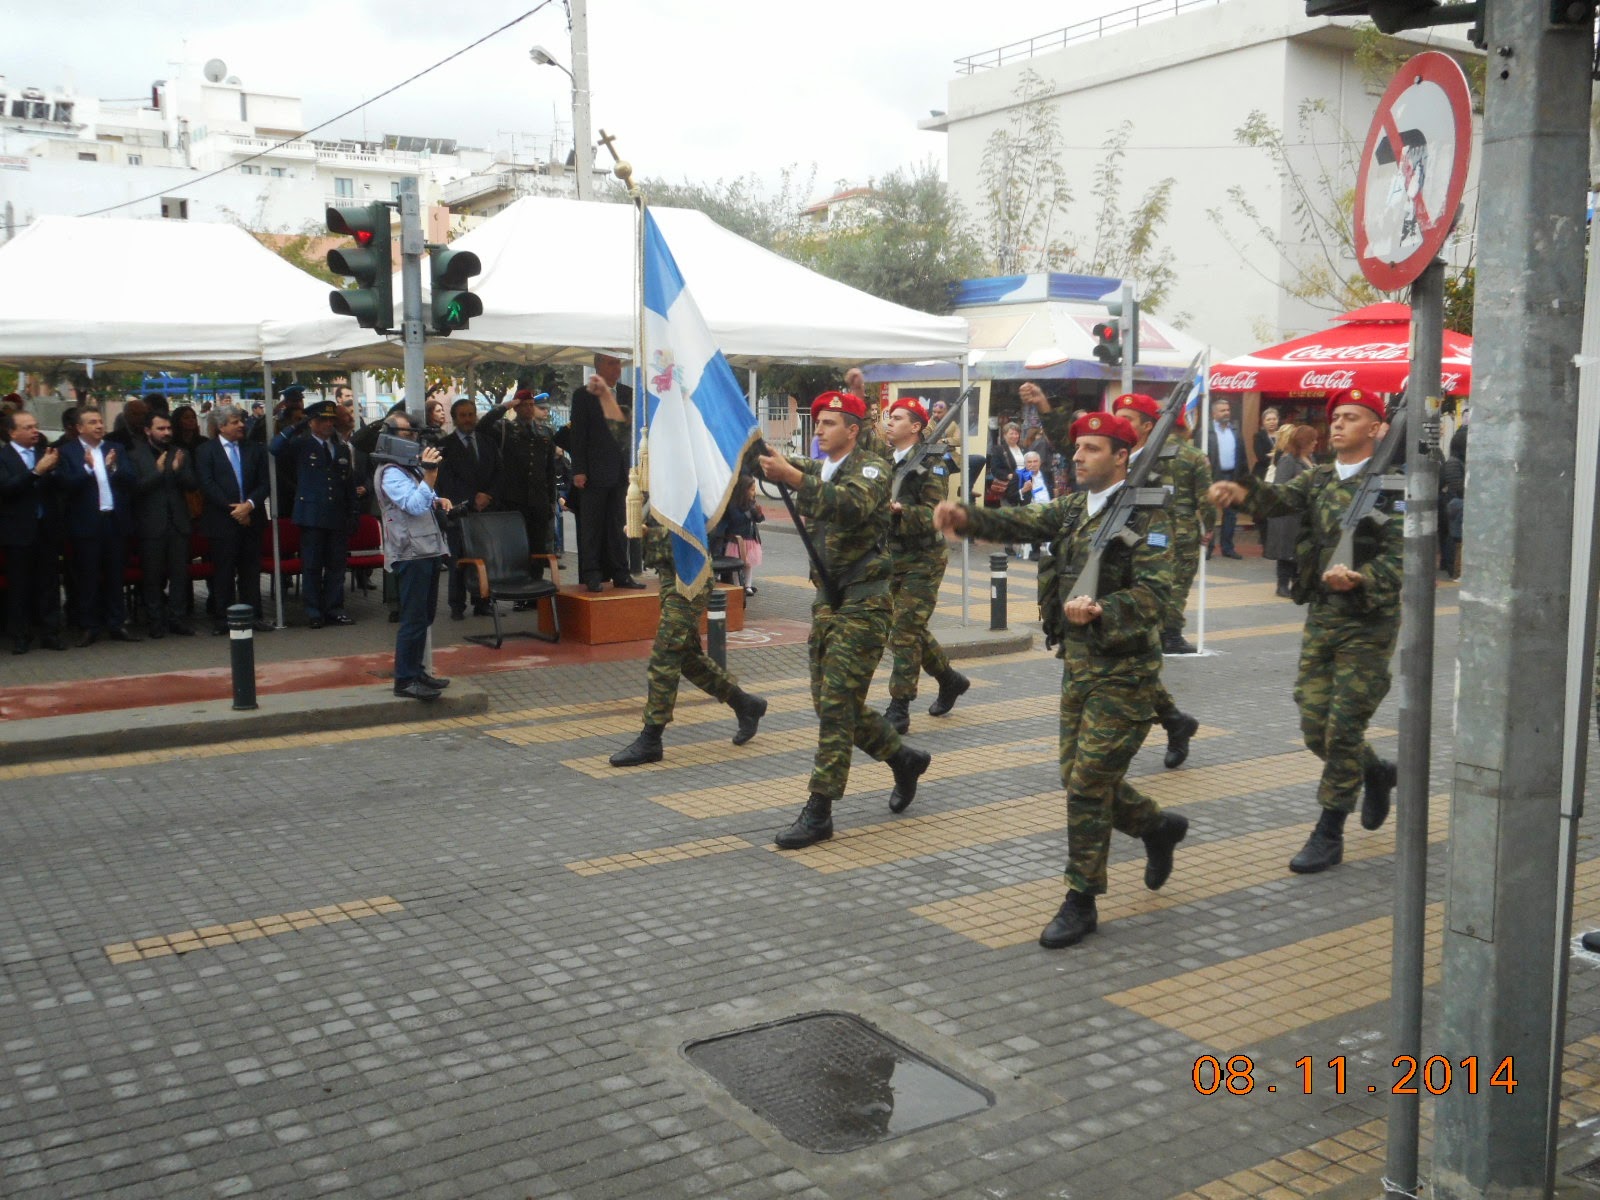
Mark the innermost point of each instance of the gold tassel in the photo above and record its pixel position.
(638, 485)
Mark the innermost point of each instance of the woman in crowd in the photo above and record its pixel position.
(1292, 455)
(1265, 443)
(1006, 458)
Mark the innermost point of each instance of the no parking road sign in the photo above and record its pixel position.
(1413, 170)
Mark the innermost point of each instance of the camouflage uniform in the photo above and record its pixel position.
(1349, 636)
(920, 555)
(848, 519)
(1111, 670)
(1187, 478)
(677, 651)
(871, 439)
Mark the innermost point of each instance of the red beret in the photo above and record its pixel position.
(523, 394)
(840, 402)
(1105, 425)
(913, 406)
(1370, 401)
(1139, 402)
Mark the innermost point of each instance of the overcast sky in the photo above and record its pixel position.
(696, 89)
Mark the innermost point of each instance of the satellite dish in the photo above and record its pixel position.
(215, 70)
(233, 79)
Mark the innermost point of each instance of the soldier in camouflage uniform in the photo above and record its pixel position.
(1111, 664)
(845, 499)
(871, 438)
(1352, 621)
(919, 560)
(676, 654)
(1187, 478)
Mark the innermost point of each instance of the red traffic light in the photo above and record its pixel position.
(1105, 332)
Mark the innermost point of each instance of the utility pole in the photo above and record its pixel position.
(1128, 332)
(583, 149)
(411, 251)
(1505, 936)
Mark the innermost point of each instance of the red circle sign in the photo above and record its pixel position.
(1413, 170)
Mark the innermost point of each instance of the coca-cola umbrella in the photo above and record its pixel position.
(1366, 348)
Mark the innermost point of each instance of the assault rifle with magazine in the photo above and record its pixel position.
(1375, 481)
(932, 439)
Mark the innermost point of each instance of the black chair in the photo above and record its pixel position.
(725, 567)
(494, 554)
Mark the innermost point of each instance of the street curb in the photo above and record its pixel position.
(130, 730)
(983, 643)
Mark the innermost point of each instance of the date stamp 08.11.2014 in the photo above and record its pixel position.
(1239, 1076)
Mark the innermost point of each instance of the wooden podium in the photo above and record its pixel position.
(620, 615)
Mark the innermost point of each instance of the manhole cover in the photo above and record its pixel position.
(832, 1083)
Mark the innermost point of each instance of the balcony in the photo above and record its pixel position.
(1083, 31)
(237, 143)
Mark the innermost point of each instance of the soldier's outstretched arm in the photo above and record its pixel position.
(1035, 523)
(1128, 610)
(1276, 499)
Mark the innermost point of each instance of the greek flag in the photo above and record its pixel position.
(1191, 404)
(700, 425)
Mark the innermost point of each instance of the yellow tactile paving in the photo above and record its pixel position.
(1013, 916)
(657, 856)
(186, 941)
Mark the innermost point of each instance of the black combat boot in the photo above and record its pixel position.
(898, 714)
(749, 709)
(951, 688)
(1173, 642)
(1324, 848)
(1377, 783)
(1075, 921)
(646, 748)
(813, 825)
(1158, 846)
(1180, 727)
(908, 764)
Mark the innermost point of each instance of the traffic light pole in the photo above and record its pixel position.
(411, 251)
(1125, 324)
(1505, 950)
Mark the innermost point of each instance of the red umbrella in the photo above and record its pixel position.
(1367, 348)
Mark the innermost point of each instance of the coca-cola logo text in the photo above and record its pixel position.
(1366, 352)
(1240, 381)
(1329, 380)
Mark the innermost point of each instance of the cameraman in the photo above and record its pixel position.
(413, 549)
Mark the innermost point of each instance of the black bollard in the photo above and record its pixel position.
(997, 591)
(242, 645)
(717, 627)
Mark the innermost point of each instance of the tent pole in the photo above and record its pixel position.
(272, 497)
(963, 495)
(1205, 448)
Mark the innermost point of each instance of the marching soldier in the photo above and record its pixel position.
(846, 498)
(677, 653)
(1187, 477)
(1111, 664)
(1352, 621)
(871, 439)
(919, 560)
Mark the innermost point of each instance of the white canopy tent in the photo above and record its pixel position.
(557, 285)
(140, 294)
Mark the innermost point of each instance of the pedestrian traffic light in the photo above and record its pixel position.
(452, 305)
(369, 262)
(1108, 343)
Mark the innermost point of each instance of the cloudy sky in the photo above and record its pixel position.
(693, 89)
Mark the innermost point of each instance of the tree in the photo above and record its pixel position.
(744, 205)
(1124, 244)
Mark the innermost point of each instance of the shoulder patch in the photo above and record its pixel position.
(938, 470)
(869, 472)
(1158, 540)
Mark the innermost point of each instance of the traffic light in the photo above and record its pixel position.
(1108, 343)
(369, 262)
(1392, 16)
(452, 305)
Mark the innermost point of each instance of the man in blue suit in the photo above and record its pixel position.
(325, 501)
(233, 483)
(30, 533)
(97, 489)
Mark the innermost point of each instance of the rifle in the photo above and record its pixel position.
(1375, 480)
(924, 447)
(1132, 494)
(833, 596)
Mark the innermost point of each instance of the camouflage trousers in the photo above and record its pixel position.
(1104, 719)
(1343, 677)
(845, 648)
(912, 645)
(677, 652)
(1185, 566)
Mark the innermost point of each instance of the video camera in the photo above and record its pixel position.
(406, 451)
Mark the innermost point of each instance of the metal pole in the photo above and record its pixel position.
(242, 650)
(1504, 938)
(1125, 328)
(1204, 423)
(997, 591)
(411, 251)
(717, 626)
(583, 148)
(272, 497)
(964, 495)
(1416, 718)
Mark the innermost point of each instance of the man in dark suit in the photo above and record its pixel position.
(163, 473)
(1228, 464)
(30, 532)
(601, 432)
(233, 482)
(527, 463)
(469, 477)
(97, 490)
(324, 509)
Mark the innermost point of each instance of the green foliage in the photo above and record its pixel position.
(1378, 56)
(744, 206)
(1459, 292)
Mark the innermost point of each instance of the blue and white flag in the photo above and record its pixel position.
(1191, 405)
(700, 424)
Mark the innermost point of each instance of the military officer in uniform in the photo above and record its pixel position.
(527, 464)
(919, 555)
(1187, 476)
(677, 653)
(325, 506)
(845, 497)
(871, 438)
(1352, 620)
(1111, 663)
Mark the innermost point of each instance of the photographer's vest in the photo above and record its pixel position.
(406, 537)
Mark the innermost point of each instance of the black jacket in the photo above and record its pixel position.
(221, 490)
(462, 475)
(160, 506)
(22, 494)
(596, 453)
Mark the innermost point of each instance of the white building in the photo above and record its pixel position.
(1187, 74)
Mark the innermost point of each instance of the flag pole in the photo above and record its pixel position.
(1205, 448)
(639, 466)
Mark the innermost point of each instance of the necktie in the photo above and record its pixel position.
(472, 445)
(238, 471)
